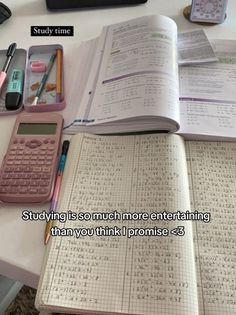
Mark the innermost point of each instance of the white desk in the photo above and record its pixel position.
(21, 243)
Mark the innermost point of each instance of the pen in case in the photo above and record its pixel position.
(10, 53)
(44, 79)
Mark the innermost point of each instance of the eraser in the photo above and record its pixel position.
(37, 66)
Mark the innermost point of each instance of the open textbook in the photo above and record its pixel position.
(208, 96)
(150, 228)
(128, 80)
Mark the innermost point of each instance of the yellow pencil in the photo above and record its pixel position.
(59, 76)
(47, 234)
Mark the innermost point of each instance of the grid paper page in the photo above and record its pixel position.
(212, 171)
(114, 274)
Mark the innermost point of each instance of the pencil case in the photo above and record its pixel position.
(34, 64)
(36, 67)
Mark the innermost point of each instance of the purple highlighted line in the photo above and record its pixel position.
(134, 74)
(206, 100)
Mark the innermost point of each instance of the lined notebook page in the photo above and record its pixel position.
(114, 274)
(212, 170)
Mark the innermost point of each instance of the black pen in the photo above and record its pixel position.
(10, 53)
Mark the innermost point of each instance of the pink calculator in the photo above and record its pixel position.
(29, 167)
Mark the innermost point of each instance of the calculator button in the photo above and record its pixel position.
(17, 162)
(34, 183)
(10, 162)
(44, 183)
(33, 157)
(46, 141)
(15, 176)
(5, 183)
(20, 152)
(51, 148)
(45, 176)
(46, 169)
(3, 190)
(27, 169)
(7, 176)
(11, 157)
(33, 190)
(36, 153)
(9, 169)
(37, 169)
(32, 163)
(19, 157)
(23, 190)
(32, 145)
(24, 183)
(42, 190)
(50, 153)
(22, 140)
(36, 143)
(42, 158)
(14, 147)
(13, 190)
(35, 176)
(14, 183)
(52, 141)
(12, 151)
(26, 176)
(15, 141)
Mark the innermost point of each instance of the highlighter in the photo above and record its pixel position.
(14, 90)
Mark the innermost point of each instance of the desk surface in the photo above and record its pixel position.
(21, 243)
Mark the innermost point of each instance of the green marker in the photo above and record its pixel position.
(14, 90)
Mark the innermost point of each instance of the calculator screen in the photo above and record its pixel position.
(37, 129)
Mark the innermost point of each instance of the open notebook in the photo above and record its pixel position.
(192, 270)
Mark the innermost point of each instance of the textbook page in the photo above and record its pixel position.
(194, 47)
(138, 74)
(126, 273)
(207, 94)
(212, 173)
